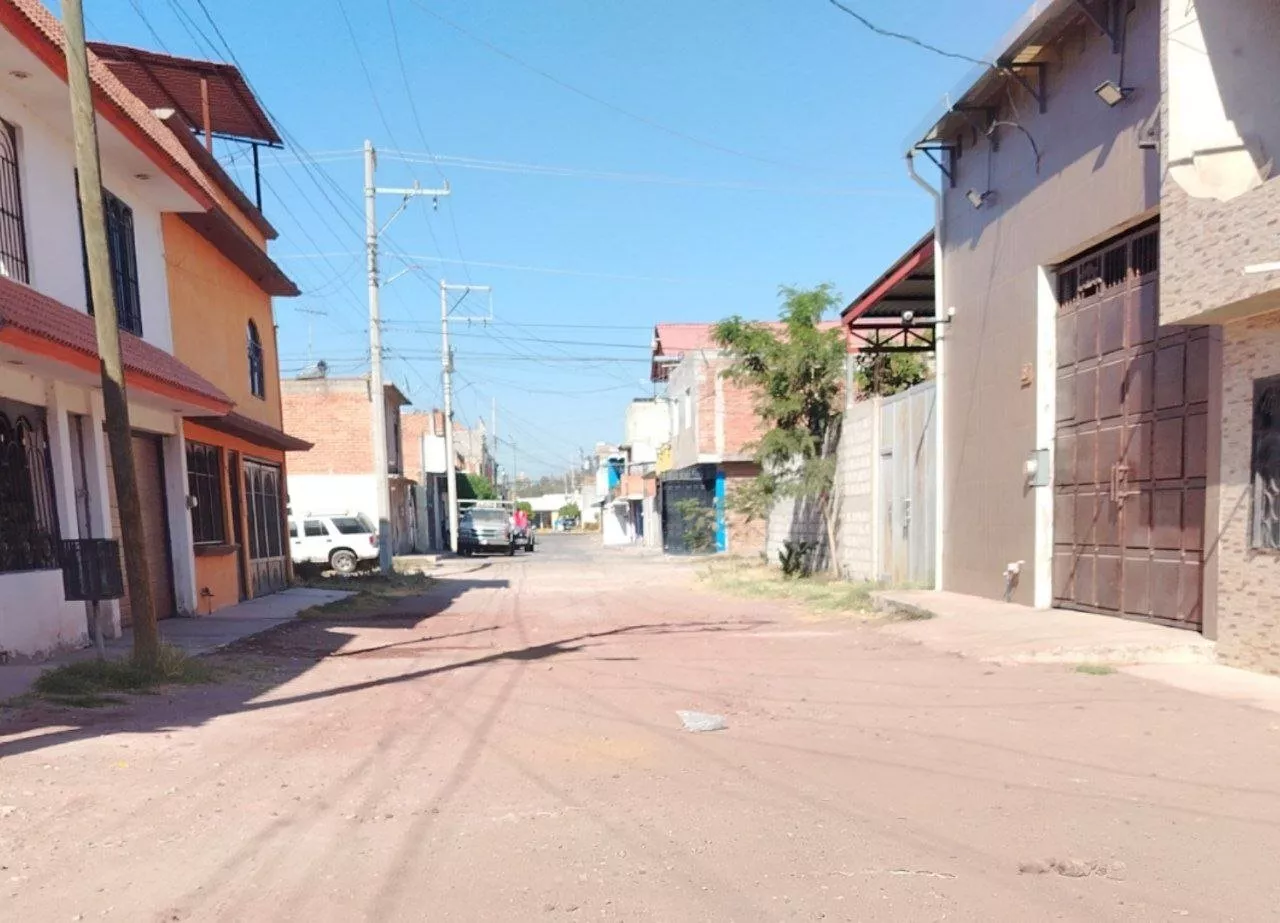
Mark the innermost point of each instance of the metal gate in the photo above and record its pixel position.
(687, 501)
(267, 568)
(1132, 441)
(906, 487)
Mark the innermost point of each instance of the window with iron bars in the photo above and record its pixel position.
(13, 235)
(122, 254)
(28, 517)
(1265, 475)
(204, 483)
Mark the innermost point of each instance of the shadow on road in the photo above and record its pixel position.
(260, 664)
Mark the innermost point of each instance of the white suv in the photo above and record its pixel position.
(340, 540)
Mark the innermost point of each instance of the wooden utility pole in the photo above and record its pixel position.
(146, 637)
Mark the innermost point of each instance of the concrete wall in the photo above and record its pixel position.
(212, 302)
(855, 478)
(52, 219)
(647, 426)
(1219, 212)
(1092, 181)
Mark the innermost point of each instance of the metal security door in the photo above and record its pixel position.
(688, 508)
(1132, 441)
(267, 548)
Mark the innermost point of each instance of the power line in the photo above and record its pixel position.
(422, 135)
(909, 39)
(600, 101)
(535, 169)
(423, 328)
(513, 267)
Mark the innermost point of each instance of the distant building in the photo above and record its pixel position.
(337, 475)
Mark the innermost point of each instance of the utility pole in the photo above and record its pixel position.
(446, 374)
(493, 464)
(378, 399)
(115, 400)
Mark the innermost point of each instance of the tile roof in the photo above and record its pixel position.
(41, 324)
(129, 109)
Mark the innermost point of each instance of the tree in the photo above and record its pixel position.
(887, 374)
(797, 373)
(569, 511)
(480, 487)
(525, 506)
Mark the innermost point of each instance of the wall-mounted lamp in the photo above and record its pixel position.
(978, 199)
(1112, 93)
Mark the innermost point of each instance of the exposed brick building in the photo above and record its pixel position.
(337, 475)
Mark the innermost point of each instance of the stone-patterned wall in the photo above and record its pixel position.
(1248, 581)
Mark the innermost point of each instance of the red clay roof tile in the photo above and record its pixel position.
(23, 310)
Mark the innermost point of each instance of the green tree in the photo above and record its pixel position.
(569, 511)
(797, 373)
(480, 487)
(525, 506)
(887, 374)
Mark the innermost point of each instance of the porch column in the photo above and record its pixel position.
(181, 538)
(1046, 379)
(99, 500)
(60, 448)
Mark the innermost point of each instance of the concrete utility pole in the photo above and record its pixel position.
(378, 399)
(146, 637)
(493, 456)
(446, 374)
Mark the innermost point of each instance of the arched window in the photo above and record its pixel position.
(257, 377)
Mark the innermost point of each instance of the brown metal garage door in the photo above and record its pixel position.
(1132, 441)
(148, 461)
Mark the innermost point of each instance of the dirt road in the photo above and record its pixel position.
(508, 749)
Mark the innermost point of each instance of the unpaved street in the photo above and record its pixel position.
(508, 748)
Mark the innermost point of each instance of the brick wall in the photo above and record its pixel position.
(1248, 581)
(333, 415)
(746, 539)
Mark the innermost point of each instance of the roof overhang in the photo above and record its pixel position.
(56, 337)
(193, 87)
(40, 33)
(1016, 52)
(217, 227)
(250, 430)
(898, 311)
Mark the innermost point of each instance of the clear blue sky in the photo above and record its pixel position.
(813, 107)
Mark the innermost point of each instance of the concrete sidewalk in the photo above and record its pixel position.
(1000, 632)
(194, 635)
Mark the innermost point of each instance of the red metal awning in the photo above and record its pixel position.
(193, 87)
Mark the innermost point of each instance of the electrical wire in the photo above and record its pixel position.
(600, 101)
(909, 39)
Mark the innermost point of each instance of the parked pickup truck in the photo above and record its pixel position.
(486, 529)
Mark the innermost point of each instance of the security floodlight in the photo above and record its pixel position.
(1112, 93)
(977, 199)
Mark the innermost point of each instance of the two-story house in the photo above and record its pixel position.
(1108, 236)
(713, 426)
(54, 474)
(337, 474)
(220, 285)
